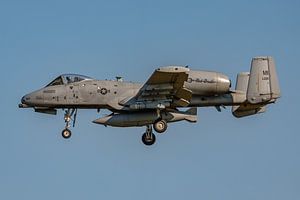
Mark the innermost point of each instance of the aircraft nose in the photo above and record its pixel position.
(23, 103)
(26, 99)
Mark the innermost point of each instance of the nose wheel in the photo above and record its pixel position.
(148, 137)
(66, 133)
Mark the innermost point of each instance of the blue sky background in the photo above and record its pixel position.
(220, 157)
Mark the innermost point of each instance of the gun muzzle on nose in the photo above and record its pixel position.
(23, 103)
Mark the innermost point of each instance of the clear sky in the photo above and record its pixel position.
(220, 157)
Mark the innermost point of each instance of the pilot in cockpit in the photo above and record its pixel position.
(68, 80)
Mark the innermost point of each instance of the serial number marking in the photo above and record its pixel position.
(49, 91)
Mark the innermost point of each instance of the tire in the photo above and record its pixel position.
(148, 141)
(66, 133)
(160, 126)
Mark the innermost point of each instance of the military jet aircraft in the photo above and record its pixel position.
(157, 103)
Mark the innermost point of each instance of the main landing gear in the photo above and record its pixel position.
(160, 126)
(66, 133)
(148, 137)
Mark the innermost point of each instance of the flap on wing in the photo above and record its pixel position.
(184, 93)
(181, 102)
(166, 84)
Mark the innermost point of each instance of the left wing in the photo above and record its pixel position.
(165, 88)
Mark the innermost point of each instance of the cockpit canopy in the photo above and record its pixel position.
(67, 79)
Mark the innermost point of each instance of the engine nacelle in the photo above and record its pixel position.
(146, 118)
(207, 83)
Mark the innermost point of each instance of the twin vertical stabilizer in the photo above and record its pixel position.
(261, 87)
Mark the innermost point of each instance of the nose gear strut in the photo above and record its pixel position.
(66, 133)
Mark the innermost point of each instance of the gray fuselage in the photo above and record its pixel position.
(208, 89)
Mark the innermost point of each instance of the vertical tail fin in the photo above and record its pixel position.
(263, 83)
(260, 87)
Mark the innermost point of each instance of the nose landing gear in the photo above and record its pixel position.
(66, 133)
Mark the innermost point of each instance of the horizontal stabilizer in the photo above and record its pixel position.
(248, 110)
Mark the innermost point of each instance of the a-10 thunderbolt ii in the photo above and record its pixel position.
(155, 103)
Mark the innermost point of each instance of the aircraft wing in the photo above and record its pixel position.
(165, 88)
